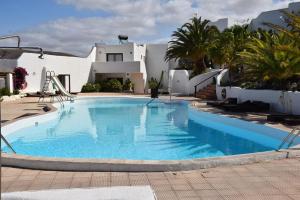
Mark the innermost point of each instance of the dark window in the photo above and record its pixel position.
(114, 57)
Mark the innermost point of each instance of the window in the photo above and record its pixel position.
(114, 57)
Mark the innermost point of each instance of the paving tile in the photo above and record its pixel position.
(186, 193)
(290, 190)
(267, 197)
(202, 186)
(166, 195)
(228, 192)
(48, 173)
(221, 186)
(19, 186)
(101, 174)
(162, 187)
(139, 182)
(40, 185)
(294, 197)
(233, 197)
(155, 175)
(65, 174)
(61, 183)
(83, 174)
(189, 198)
(159, 181)
(11, 172)
(100, 181)
(119, 180)
(207, 193)
(27, 172)
(80, 182)
(178, 187)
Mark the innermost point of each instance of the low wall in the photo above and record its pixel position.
(181, 83)
(285, 102)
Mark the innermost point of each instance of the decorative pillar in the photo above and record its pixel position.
(10, 82)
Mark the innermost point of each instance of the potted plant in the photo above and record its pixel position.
(153, 85)
(127, 87)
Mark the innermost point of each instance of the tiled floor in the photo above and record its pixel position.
(278, 179)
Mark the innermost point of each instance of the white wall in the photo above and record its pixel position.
(197, 79)
(221, 24)
(126, 49)
(140, 55)
(181, 83)
(155, 62)
(117, 67)
(274, 17)
(8, 65)
(285, 102)
(78, 68)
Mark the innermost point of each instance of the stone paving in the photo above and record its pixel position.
(278, 179)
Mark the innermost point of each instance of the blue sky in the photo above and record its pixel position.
(75, 25)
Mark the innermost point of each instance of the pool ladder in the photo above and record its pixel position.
(7, 143)
(290, 138)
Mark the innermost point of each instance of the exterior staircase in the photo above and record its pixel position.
(207, 93)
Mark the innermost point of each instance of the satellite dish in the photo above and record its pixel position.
(123, 39)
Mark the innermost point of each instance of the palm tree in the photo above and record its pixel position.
(226, 47)
(269, 58)
(191, 42)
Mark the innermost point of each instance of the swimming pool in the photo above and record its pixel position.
(126, 128)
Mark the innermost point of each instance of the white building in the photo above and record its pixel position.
(137, 62)
(274, 16)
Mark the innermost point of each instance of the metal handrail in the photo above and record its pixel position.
(7, 143)
(12, 36)
(290, 137)
(41, 51)
(204, 81)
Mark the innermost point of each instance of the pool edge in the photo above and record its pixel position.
(60, 164)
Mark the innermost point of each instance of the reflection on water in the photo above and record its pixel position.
(128, 129)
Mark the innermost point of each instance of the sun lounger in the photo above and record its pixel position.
(284, 118)
(220, 103)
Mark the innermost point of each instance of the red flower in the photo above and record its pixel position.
(19, 78)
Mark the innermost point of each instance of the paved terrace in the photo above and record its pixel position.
(277, 179)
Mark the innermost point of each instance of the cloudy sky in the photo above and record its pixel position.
(75, 25)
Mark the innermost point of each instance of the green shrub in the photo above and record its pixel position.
(89, 87)
(16, 92)
(153, 83)
(4, 92)
(113, 85)
(104, 86)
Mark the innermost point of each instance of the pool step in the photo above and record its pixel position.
(207, 93)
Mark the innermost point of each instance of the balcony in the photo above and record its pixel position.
(117, 67)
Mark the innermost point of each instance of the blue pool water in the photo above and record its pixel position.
(125, 128)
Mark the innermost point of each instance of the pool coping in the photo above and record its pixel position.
(111, 165)
(78, 164)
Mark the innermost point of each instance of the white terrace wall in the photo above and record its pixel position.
(285, 102)
(155, 62)
(140, 55)
(78, 68)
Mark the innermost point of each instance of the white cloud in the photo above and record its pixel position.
(139, 19)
